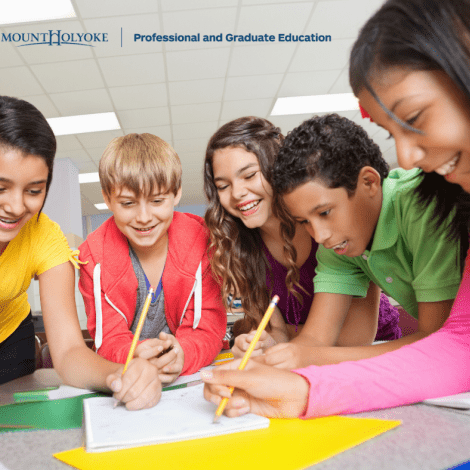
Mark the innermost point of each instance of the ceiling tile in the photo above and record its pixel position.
(19, 81)
(139, 96)
(96, 9)
(147, 117)
(133, 70)
(263, 2)
(68, 76)
(164, 132)
(193, 131)
(348, 16)
(77, 156)
(198, 64)
(94, 140)
(43, 53)
(196, 91)
(274, 19)
(10, 56)
(191, 22)
(204, 112)
(252, 87)
(171, 5)
(236, 109)
(260, 60)
(195, 145)
(44, 104)
(67, 142)
(308, 83)
(321, 56)
(342, 83)
(74, 103)
(128, 26)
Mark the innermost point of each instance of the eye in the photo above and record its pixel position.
(325, 213)
(126, 203)
(248, 177)
(221, 188)
(411, 121)
(302, 222)
(35, 192)
(157, 201)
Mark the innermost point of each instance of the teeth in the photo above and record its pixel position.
(340, 246)
(448, 167)
(144, 229)
(6, 221)
(249, 206)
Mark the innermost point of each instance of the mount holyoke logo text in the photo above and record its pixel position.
(55, 38)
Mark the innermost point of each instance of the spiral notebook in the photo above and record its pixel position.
(181, 414)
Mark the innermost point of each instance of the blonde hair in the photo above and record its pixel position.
(141, 162)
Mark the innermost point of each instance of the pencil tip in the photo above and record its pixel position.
(216, 417)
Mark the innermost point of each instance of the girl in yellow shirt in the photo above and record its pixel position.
(32, 245)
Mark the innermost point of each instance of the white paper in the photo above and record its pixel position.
(181, 414)
(65, 391)
(460, 401)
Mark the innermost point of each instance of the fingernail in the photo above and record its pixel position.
(207, 374)
(116, 385)
(244, 411)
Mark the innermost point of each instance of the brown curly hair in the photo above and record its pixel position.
(237, 260)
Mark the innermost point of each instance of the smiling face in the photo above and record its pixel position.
(143, 219)
(23, 181)
(243, 191)
(430, 102)
(335, 219)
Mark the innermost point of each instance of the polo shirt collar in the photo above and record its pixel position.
(386, 231)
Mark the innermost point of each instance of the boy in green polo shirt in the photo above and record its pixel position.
(331, 177)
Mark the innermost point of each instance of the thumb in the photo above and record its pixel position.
(114, 382)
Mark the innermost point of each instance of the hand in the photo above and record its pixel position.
(243, 341)
(170, 364)
(259, 389)
(139, 387)
(287, 356)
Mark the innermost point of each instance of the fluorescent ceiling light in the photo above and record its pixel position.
(88, 178)
(26, 11)
(84, 123)
(101, 206)
(315, 104)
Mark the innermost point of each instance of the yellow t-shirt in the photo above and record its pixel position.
(38, 247)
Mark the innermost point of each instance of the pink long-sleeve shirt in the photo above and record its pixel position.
(435, 366)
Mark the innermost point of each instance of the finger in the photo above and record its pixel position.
(167, 378)
(148, 397)
(113, 381)
(167, 358)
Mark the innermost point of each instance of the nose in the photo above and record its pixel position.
(409, 154)
(319, 232)
(143, 214)
(239, 190)
(15, 205)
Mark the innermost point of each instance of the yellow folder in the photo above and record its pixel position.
(286, 444)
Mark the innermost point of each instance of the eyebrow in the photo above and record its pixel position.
(314, 209)
(238, 173)
(6, 180)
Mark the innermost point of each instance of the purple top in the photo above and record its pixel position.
(295, 313)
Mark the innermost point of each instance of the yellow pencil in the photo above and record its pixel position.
(143, 316)
(251, 347)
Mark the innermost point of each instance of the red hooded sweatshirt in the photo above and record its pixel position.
(193, 304)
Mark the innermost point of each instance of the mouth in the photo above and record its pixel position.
(248, 208)
(448, 167)
(144, 230)
(340, 248)
(9, 224)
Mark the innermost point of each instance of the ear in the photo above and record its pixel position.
(369, 180)
(178, 196)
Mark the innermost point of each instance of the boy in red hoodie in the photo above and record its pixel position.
(146, 243)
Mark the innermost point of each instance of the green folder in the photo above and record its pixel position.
(66, 413)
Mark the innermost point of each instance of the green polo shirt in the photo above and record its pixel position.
(410, 260)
